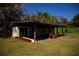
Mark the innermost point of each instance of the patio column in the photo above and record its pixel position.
(53, 30)
(34, 32)
(62, 30)
(66, 29)
(57, 30)
(50, 32)
(24, 32)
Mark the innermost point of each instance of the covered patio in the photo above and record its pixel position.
(37, 30)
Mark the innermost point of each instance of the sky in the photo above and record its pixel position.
(67, 10)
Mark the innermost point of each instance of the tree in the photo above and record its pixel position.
(53, 19)
(44, 17)
(75, 20)
(62, 20)
(9, 12)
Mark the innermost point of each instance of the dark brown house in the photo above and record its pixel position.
(36, 30)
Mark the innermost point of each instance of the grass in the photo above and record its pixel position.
(74, 31)
(62, 46)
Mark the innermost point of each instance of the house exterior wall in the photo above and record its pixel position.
(42, 32)
(15, 32)
(29, 32)
(25, 31)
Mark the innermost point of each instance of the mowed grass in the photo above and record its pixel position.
(61, 46)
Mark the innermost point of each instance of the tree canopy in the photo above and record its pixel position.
(9, 12)
(75, 20)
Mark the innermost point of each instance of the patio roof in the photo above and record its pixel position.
(38, 24)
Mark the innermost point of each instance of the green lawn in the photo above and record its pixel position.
(67, 45)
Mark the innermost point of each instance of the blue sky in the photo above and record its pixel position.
(67, 10)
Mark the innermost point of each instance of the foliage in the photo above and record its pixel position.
(9, 12)
(62, 20)
(75, 20)
(42, 17)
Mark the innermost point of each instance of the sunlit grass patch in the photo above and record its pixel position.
(58, 46)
